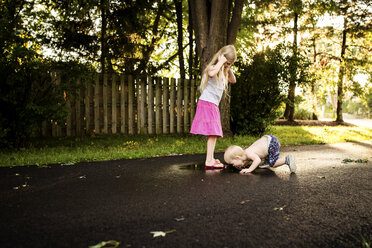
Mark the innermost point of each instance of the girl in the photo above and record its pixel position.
(214, 81)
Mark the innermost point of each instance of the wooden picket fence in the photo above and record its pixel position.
(129, 105)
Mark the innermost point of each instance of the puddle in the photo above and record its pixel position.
(190, 166)
(195, 166)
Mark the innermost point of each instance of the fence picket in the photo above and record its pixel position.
(179, 106)
(87, 108)
(150, 105)
(105, 105)
(96, 104)
(186, 105)
(123, 101)
(142, 102)
(165, 105)
(157, 106)
(78, 112)
(130, 105)
(192, 101)
(172, 105)
(114, 114)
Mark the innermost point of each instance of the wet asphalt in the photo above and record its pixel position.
(327, 203)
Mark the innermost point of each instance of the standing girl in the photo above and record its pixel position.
(214, 81)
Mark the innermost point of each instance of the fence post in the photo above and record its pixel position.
(87, 107)
(142, 101)
(58, 82)
(130, 105)
(157, 105)
(150, 105)
(123, 100)
(78, 111)
(105, 105)
(165, 105)
(172, 105)
(186, 105)
(179, 107)
(114, 115)
(96, 105)
(192, 100)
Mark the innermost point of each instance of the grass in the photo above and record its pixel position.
(67, 150)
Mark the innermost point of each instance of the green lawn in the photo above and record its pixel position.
(108, 147)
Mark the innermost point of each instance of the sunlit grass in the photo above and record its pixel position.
(111, 147)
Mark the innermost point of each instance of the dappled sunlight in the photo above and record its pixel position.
(316, 159)
(301, 135)
(338, 134)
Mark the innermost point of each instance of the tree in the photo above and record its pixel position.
(178, 5)
(29, 92)
(316, 9)
(356, 24)
(296, 9)
(216, 24)
(124, 36)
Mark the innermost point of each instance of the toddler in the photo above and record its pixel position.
(267, 147)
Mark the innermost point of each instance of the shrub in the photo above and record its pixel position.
(29, 95)
(302, 114)
(257, 96)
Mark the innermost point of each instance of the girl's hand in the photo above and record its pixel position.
(222, 59)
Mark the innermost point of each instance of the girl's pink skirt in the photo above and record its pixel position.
(207, 119)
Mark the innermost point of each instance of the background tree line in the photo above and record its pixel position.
(281, 40)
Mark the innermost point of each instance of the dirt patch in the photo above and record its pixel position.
(283, 122)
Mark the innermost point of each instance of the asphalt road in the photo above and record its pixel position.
(327, 203)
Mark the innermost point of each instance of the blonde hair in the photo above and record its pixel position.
(230, 54)
(232, 152)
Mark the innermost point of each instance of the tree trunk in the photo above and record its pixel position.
(340, 91)
(103, 36)
(191, 45)
(313, 87)
(290, 107)
(178, 5)
(213, 30)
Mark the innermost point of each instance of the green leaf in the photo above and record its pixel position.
(347, 160)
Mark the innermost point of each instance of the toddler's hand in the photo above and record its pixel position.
(245, 171)
(222, 59)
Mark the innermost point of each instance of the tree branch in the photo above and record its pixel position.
(164, 64)
(233, 28)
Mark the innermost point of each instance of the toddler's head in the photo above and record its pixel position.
(234, 155)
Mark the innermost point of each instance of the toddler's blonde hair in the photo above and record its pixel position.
(232, 152)
(230, 54)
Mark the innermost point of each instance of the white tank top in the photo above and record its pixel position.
(213, 91)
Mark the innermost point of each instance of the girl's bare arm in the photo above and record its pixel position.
(216, 68)
(231, 76)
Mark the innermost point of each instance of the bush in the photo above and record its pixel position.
(257, 96)
(302, 114)
(29, 95)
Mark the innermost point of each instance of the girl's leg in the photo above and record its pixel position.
(211, 143)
